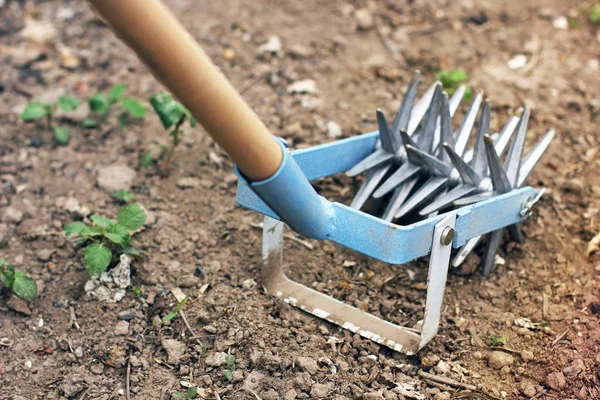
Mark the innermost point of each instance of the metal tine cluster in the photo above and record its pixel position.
(390, 151)
(451, 175)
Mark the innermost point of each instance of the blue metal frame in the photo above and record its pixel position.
(372, 236)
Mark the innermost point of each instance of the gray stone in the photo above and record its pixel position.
(113, 178)
(499, 359)
(528, 389)
(576, 367)
(188, 183)
(527, 355)
(253, 380)
(307, 364)
(364, 19)
(45, 254)
(216, 359)
(556, 381)
(122, 328)
(320, 390)
(174, 348)
(18, 304)
(12, 215)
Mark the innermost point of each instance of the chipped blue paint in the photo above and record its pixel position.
(312, 215)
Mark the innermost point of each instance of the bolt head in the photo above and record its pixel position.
(447, 236)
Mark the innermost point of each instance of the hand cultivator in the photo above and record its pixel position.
(417, 166)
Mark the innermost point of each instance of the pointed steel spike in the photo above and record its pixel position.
(512, 164)
(429, 123)
(479, 161)
(446, 135)
(407, 140)
(428, 161)
(399, 196)
(402, 174)
(465, 201)
(531, 160)
(420, 108)
(374, 159)
(448, 198)
(455, 100)
(491, 249)
(453, 104)
(388, 142)
(464, 252)
(368, 186)
(502, 141)
(468, 175)
(430, 188)
(462, 136)
(403, 116)
(499, 179)
(515, 232)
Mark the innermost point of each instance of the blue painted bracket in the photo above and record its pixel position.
(372, 236)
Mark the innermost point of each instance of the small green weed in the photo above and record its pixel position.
(188, 394)
(21, 284)
(170, 316)
(36, 111)
(228, 372)
(124, 196)
(595, 14)
(172, 114)
(452, 79)
(101, 106)
(108, 238)
(496, 341)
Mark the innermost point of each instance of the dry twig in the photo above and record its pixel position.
(446, 381)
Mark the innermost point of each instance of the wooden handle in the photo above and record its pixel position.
(176, 59)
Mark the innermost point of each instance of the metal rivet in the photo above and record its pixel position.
(447, 236)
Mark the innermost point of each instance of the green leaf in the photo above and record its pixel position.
(67, 103)
(179, 394)
(136, 290)
(62, 136)
(118, 234)
(132, 251)
(132, 216)
(134, 108)
(169, 317)
(24, 286)
(191, 392)
(168, 109)
(147, 159)
(97, 259)
(89, 123)
(123, 121)
(228, 374)
(74, 228)
(595, 14)
(102, 222)
(33, 111)
(98, 103)
(230, 360)
(124, 195)
(7, 273)
(90, 231)
(452, 78)
(116, 92)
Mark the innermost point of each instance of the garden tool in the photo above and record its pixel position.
(275, 182)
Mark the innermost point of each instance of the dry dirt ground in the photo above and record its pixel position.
(197, 239)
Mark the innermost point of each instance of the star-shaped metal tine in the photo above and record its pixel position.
(471, 181)
(444, 175)
(423, 142)
(390, 150)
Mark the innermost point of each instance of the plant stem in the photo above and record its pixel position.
(174, 143)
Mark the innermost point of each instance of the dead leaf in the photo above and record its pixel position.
(38, 31)
(593, 245)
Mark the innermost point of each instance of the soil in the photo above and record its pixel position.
(198, 240)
